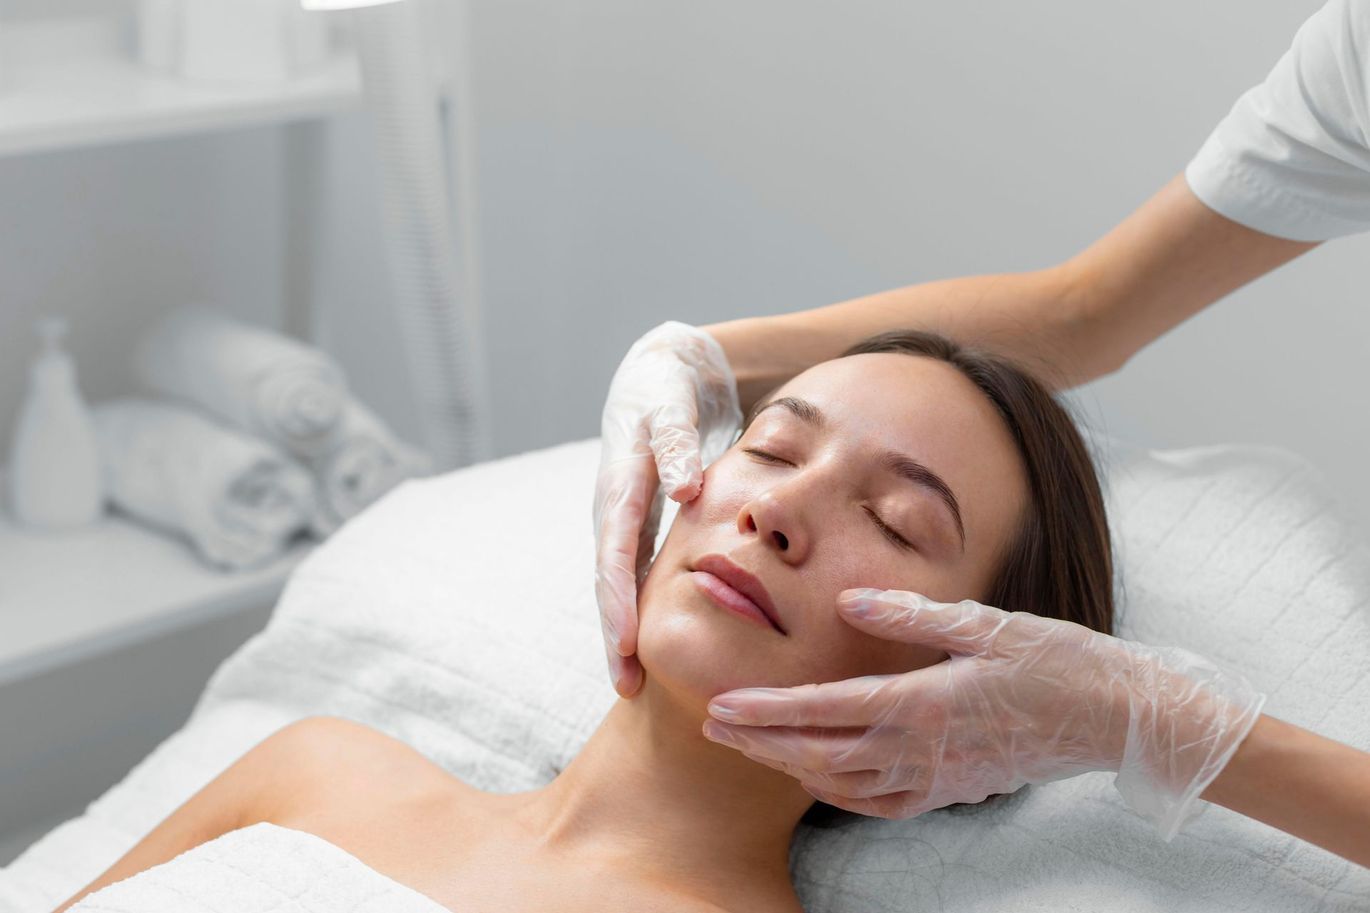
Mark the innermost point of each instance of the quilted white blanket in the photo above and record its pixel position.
(260, 869)
(458, 615)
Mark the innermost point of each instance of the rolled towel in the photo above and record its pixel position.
(265, 383)
(237, 499)
(365, 462)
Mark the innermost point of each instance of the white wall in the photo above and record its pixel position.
(713, 159)
(645, 161)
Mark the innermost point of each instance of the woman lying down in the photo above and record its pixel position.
(908, 463)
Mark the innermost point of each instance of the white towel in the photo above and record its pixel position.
(265, 383)
(365, 461)
(263, 868)
(236, 498)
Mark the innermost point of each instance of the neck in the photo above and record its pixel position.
(650, 790)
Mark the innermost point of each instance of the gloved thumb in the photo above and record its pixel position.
(963, 628)
(674, 440)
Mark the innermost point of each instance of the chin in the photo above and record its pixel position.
(695, 650)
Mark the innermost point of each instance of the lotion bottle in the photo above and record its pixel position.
(55, 475)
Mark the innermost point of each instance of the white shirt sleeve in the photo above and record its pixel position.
(1292, 158)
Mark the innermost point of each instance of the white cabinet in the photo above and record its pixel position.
(70, 596)
(108, 635)
(73, 82)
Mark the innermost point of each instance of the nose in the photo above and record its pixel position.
(773, 516)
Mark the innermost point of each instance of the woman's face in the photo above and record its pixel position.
(882, 470)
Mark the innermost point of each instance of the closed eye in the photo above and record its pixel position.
(764, 456)
(888, 532)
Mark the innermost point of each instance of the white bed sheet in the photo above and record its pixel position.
(458, 615)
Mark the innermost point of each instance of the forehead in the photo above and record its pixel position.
(929, 410)
(908, 394)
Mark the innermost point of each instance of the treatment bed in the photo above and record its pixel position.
(458, 615)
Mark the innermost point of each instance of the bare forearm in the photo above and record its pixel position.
(1069, 323)
(1302, 783)
(1021, 315)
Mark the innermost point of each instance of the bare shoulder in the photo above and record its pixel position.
(284, 767)
(330, 761)
(329, 775)
(318, 739)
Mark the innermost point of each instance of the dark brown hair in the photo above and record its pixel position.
(1060, 564)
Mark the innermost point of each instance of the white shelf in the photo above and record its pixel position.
(64, 597)
(67, 85)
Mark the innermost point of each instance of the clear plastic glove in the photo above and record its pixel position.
(672, 407)
(1022, 699)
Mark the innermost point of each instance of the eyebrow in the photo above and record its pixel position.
(900, 464)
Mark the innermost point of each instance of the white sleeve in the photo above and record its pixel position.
(1292, 158)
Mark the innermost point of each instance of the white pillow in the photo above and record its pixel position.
(458, 614)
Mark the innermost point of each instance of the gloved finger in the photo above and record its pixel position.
(623, 498)
(673, 433)
(867, 784)
(626, 673)
(860, 701)
(646, 539)
(616, 593)
(767, 762)
(801, 750)
(965, 627)
(799, 773)
(893, 806)
(857, 784)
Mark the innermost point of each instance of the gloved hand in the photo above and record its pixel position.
(672, 407)
(1022, 699)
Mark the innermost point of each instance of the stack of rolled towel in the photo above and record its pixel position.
(254, 439)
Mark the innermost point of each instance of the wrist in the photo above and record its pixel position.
(762, 353)
(1252, 753)
(1185, 719)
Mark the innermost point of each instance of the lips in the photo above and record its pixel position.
(744, 583)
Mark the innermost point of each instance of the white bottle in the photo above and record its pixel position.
(54, 476)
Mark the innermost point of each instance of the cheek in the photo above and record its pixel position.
(839, 650)
(888, 658)
(728, 485)
(717, 507)
(719, 501)
(849, 653)
(872, 564)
